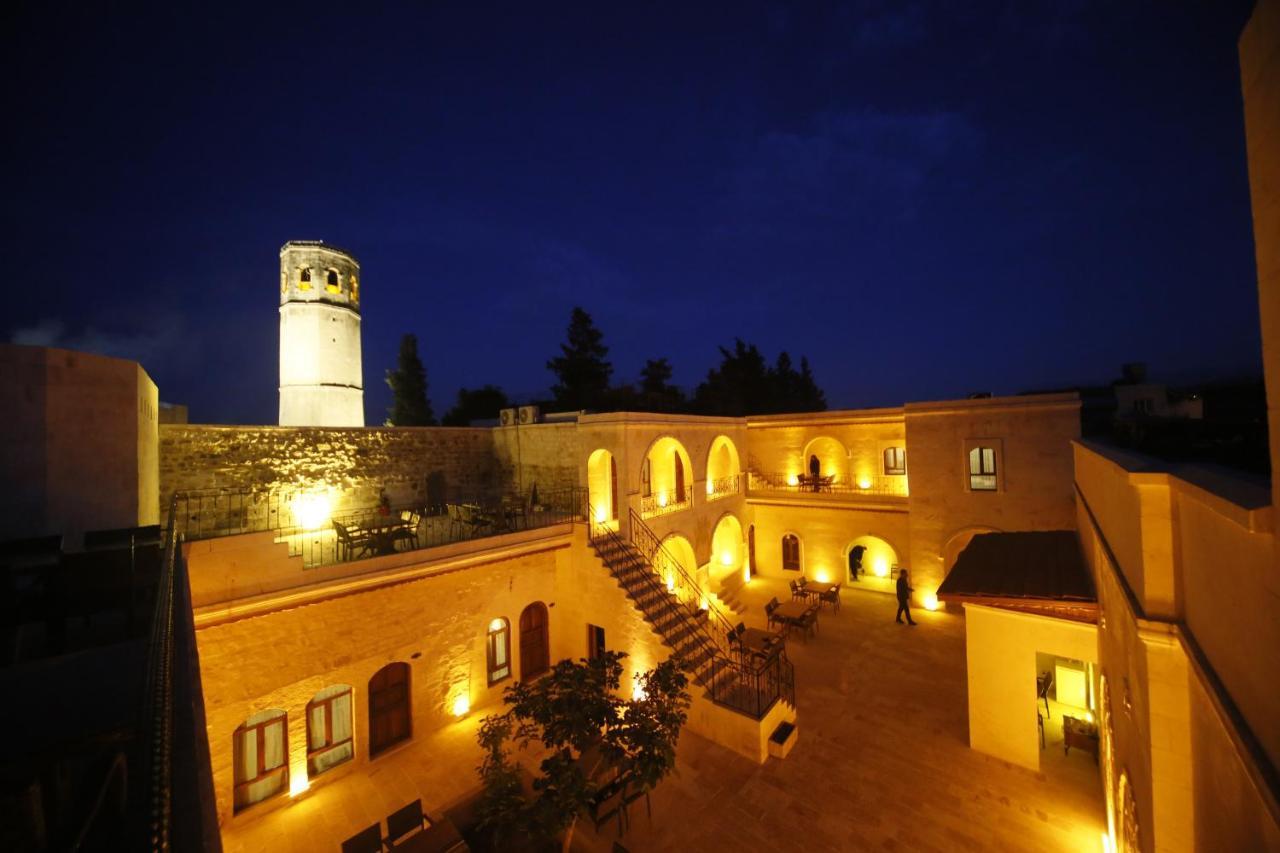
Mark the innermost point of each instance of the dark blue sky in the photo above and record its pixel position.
(926, 199)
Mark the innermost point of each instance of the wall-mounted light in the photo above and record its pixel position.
(821, 576)
(864, 483)
(298, 781)
(662, 499)
(881, 567)
(793, 480)
(461, 705)
(311, 511)
(726, 558)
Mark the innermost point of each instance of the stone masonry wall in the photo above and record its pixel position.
(414, 465)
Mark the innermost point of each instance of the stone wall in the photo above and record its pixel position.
(541, 454)
(415, 465)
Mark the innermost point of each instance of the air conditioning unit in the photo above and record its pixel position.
(529, 414)
(507, 417)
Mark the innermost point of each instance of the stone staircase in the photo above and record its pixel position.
(685, 630)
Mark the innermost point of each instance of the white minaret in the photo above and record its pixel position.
(320, 379)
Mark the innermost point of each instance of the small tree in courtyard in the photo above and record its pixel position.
(408, 383)
(573, 710)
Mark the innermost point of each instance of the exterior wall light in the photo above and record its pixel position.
(298, 781)
(864, 483)
(821, 576)
(461, 705)
(931, 602)
(880, 567)
(311, 511)
(793, 480)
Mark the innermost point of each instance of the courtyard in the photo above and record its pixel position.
(882, 762)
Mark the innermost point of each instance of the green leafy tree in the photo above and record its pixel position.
(582, 372)
(475, 404)
(572, 711)
(408, 383)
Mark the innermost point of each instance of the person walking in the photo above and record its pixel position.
(904, 596)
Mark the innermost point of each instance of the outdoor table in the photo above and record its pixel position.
(824, 591)
(758, 642)
(381, 531)
(440, 837)
(792, 611)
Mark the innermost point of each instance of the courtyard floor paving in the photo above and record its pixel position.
(882, 763)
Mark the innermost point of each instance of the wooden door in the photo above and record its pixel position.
(751, 550)
(679, 477)
(535, 648)
(389, 720)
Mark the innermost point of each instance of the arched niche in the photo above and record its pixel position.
(831, 457)
(666, 476)
(723, 467)
(727, 550)
(602, 487)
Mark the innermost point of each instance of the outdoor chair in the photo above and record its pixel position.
(809, 623)
(1043, 683)
(408, 532)
(734, 644)
(768, 610)
(797, 594)
(368, 840)
(405, 820)
(832, 597)
(349, 545)
(608, 803)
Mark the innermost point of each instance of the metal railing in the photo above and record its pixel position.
(358, 531)
(735, 681)
(723, 487)
(662, 503)
(799, 484)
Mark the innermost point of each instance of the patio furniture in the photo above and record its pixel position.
(1043, 682)
(608, 803)
(760, 644)
(408, 530)
(367, 840)
(808, 623)
(405, 820)
(770, 611)
(793, 613)
(350, 544)
(633, 791)
(441, 836)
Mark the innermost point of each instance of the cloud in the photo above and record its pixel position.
(865, 160)
(148, 347)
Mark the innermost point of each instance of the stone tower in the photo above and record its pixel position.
(320, 379)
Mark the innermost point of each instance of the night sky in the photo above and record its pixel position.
(926, 199)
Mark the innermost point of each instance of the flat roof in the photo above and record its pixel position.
(1042, 565)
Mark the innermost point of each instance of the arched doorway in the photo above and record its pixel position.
(665, 478)
(726, 547)
(389, 719)
(722, 468)
(602, 487)
(535, 646)
(870, 559)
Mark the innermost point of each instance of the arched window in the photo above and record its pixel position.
(389, 720)
(982, 469)
(895, 460)
(304, 278)
(331, 281)
(260, 752)
(535, 649)
(329, 729)
(499, 654)
(791, 552)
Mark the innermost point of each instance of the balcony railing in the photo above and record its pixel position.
(663, 503)
(323, 536)
(800, 484)
(723, 487)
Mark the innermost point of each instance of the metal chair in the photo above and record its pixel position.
(367, 840)
(609, 803)
(405, 820)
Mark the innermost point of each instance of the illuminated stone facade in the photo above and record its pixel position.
(320, 374)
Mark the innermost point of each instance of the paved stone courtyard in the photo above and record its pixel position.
(882, 762)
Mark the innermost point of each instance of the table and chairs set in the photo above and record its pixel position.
(409, 830)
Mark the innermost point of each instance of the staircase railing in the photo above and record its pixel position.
(672, 572)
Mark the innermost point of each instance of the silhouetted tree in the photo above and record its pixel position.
(408, 383)
(809, 396)
(657, 394)
(475, 404)
(582, 373)
(738, 386)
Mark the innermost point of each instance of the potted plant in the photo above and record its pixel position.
(575, 710)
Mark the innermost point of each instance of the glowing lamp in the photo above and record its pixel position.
(704, 604)
(311, 511)
(793, 480)
(600, 516)
(821, 576)
(637, 690)
(726, 559)
(711, 488)
(746, 574)
(461, 705)
(1088, 716)
(497, 625)
(931, 602)
(880, 567)
(1107, 845)
(298, 783)
(662, 499)
(671, 583)
(864, 483)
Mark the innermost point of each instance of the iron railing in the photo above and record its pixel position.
(722, 487)
(799, 484)
(663, 503)
(753, 685)
(377, 528)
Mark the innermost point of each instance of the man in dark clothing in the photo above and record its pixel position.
(904, 596)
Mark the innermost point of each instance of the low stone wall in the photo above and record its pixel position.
(414, 465)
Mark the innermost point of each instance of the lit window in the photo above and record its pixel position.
(499, 650)
(791, 552)
(982, 469)
(595, 642)
(895, 460)
(329, 729)
(331, 281)
(260, 751)
(304, 279)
